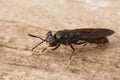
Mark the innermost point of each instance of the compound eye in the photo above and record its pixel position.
(52, 42)
(49, 33)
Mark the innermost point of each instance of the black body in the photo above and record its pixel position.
(76, 36)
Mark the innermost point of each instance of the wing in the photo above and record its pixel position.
(94, 32)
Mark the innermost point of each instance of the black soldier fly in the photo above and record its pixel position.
(76, 37)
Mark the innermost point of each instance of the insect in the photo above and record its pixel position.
(76, 37)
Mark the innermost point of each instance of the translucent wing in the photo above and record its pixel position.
(94, 32)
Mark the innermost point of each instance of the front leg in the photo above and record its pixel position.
(52, 49)
(56, 47)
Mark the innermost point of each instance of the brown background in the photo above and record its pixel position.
(20, 17)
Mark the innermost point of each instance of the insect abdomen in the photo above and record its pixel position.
(102, 40)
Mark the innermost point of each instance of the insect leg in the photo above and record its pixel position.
(52, 49)
(69, 62)
(72, 47)
(56, 47)
(85, 44)
(80, 43)
(72, 51)
(44, 49)
(40, 53)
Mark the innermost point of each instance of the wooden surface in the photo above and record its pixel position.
(18, 18)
